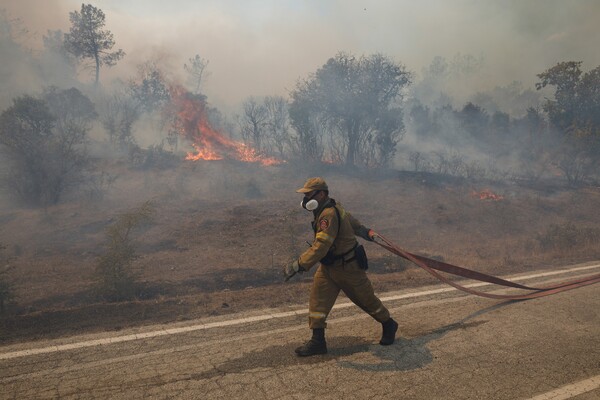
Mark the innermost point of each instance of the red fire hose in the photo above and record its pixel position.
(431, 266)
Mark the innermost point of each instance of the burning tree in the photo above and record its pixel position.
(189, 115)
(196, 70)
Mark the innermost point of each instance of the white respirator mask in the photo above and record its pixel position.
(308, 203)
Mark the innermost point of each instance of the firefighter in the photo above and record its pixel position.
(342, 266)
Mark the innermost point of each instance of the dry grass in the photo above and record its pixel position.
(222, 230)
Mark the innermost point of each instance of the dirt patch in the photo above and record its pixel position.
(215, 246)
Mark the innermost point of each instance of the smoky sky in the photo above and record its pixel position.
(258, 48)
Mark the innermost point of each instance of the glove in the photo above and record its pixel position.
(372, 235)
(290, 269)
(367, 234)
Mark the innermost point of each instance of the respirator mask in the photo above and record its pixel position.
(310, 204)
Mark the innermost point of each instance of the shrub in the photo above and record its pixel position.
(566, 236)
(155, 156)
(43, 141)
(115, 277)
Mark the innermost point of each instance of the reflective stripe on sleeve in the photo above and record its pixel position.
(324, 237)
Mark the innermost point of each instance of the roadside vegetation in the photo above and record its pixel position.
(500, 180)
(115, 276)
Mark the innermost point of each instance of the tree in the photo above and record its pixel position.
(513, 99)
(118, 117)
(588, 114)
(265, 124)
(533, 142)
(277, 124)
(252, 123)
(44, 141)
(358, 101)
(465, 65)
(73, 113)
(574, 113)
(444, 76)
(86, 39)
(473, 120)
(150, 90)
(25, 129)
(578, 159)
(500, 123)
(420, 120)
(565, 76)
(308, 142)
(196, 70)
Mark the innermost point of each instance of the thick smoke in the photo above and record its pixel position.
(262, 48)
(492, 51)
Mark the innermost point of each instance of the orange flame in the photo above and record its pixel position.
(487, 194)
(192, 123)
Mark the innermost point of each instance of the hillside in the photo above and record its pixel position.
(222, 230)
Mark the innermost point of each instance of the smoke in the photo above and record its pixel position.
(262, 48)
(493, 50)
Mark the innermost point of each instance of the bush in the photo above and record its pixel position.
(567, 236)
(153, 157)
(115, 278)
(44, 143)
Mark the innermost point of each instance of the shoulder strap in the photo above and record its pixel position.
(332, 203)
(337, 212)
(339, 217)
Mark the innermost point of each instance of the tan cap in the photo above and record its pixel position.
(313, 184)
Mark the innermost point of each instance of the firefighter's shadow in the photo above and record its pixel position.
(409, 354)
(404, 355)
(274, 357)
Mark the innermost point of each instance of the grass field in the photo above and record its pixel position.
(222, 230)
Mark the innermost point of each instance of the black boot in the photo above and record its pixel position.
(390, 327)
(316, 345)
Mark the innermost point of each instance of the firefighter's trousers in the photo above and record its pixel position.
(353, 281)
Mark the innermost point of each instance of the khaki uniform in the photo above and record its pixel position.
(344, 274)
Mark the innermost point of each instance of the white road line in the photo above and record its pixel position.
(571, 390)
(212, 342)
(241, 321)
(450, 289)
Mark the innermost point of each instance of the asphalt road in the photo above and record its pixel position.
(451, 346)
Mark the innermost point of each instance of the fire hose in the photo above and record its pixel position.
(432, 266)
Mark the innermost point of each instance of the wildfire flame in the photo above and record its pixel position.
(192, 123)
(487, 194)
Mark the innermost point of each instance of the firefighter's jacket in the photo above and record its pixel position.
(331, 234)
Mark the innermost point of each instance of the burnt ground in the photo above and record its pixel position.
(221, 232)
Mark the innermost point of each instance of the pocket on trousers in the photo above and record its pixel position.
(361, 257)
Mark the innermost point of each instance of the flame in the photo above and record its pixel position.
(487, 194)
(191, 122)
